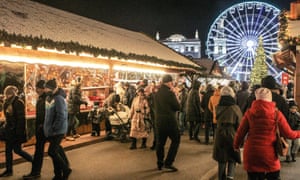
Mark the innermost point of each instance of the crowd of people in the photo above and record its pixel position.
(231, 116)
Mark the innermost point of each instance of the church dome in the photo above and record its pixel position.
(176, 37)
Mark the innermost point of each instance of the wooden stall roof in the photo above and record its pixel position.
(212, 67)
(30, 18)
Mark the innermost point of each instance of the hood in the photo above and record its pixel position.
(263, 109)
(61, 92)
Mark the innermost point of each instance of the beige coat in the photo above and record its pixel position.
(139, 109)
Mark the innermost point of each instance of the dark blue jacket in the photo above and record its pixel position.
(56, 117)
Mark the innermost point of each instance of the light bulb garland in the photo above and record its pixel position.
(283, 35)
(74, 47)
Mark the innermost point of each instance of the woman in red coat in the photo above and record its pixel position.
(259, 127)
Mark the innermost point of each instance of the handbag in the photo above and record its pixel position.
(237, 156)
(281, 145)
(2, 132)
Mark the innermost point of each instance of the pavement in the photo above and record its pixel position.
(193, 161)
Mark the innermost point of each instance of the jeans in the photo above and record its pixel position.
(194, 129)
(17, 148)
(162, 134)
(293, 146)
(222, 170)
(59, 158)
(73, 124)
(181, 121)
(39, 152)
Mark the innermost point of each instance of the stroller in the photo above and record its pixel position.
(119, 120)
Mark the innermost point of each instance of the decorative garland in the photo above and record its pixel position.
(72, 46)
(282, 35)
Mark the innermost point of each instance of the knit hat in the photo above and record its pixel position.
(40, 84)
(227, 91)
(263, 94)
(292, 104)
(51, 84)
(268, 82)
(167, 78)
(10, 91)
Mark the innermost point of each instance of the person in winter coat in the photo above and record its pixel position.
(74, 102)
(193, 111)
(55, 128)
(242, 95)
(208, 117)
(294, 122)
(212, 105)
(182, 98)
(129, 95)
(270, 83)
(15, 128)
(39, 133)
(229, 115)
(138, 112)
(165, 107)
(257, 131)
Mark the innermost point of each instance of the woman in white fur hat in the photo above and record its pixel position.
(259, 127)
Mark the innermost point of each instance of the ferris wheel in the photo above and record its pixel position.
(233, 38)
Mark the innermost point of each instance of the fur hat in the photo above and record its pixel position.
(10, 91)
(263, 94)
(227, 91)
(167, 78)
(51, 84)
(40, 84)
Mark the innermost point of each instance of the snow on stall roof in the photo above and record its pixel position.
(31, 18)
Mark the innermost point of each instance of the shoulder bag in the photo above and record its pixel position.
(281, 145)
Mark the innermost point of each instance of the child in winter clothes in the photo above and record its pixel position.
(94, 116)
(294, 122)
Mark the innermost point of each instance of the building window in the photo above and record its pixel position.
(192, 49)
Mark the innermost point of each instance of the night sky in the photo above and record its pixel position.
(149, 16)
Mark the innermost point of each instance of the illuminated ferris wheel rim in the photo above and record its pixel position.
(243, 3)
(244, 42)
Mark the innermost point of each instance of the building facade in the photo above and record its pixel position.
(188, 47)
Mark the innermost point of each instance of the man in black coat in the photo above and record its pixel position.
(39, 133)
(165, 107)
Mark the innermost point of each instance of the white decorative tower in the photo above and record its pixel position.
(157, 36)
(196, 34)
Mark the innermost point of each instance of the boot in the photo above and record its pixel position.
(196, 133)
(108, 136)
(144, 141)
(293, 157)
(288, 159)
(133, 144)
